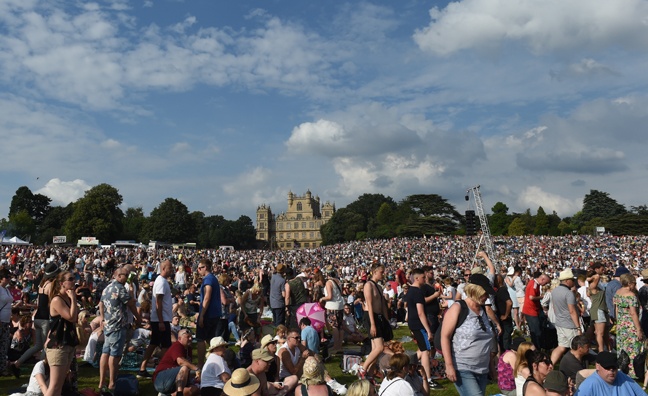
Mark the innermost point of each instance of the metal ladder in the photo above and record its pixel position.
(483, 221)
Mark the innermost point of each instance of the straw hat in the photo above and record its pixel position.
(215, 343)
(313, 372)
(267, 339)
(242, 383)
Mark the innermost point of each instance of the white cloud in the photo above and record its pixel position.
(180, 147)
(533, 197)
(552, 25)
(110, 144)
(63, 192)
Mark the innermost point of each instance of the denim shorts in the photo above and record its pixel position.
(165, 380)
(114, 343)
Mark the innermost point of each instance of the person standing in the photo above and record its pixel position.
(504, 305)
(432, 291)
(295, 294)
(334, 305)
(566, 313)
(115, 299)
(629, 333)
(599, 314)
(374, 317)
(611, 289)
(210, 309)
(417, 322)
(6, 301)
(161, 315)
(62, 338)
(41, 317)
(277, 295)
(532, 309)
(643, 301)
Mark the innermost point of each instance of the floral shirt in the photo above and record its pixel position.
(115, 298)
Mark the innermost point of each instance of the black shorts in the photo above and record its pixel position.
(161, 338)
(421, 339)
(377, 321)
(208, 331)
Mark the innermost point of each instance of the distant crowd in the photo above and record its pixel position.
(127, 308)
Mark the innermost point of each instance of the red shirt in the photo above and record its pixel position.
(531, 308)
(170, 358)
(401, 277)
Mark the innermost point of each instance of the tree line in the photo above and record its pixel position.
(378, 216)
(98, 214)
(371, 216)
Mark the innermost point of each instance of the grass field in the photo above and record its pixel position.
(89, 377)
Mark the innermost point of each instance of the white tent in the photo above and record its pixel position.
(13, 241)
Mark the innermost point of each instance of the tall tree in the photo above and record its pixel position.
(499, 220)
(342, 227)
(541, 222)
(599, 204)
(134, 221)
(517, 227)
(54, 223)
(170, 222)
(97, 214)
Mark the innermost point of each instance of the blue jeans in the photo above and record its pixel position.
(535, 329)
(471, 384)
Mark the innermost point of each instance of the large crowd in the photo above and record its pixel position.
(507, 319)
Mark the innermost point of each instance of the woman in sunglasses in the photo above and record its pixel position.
(467, 346)
(62, 338)
(539, 365)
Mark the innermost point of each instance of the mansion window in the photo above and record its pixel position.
(312, 235)
(261, 235)
(296, 225)
(306, 244)
(287, 235)
(299, 206)
(299, 216)
(261, 216)
(303, 235)
(281, 226)
(311, 225)
(303, 225)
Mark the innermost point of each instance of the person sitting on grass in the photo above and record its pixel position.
(172, 373)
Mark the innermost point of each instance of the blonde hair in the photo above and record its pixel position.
(359, 388)
(474, 292)
(521, 361)
(395, 346)
(627, 279)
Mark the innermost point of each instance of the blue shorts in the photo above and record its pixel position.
(165, 380)
(114, 343)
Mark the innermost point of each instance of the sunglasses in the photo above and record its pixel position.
(482, 325)
(610, 368)
(297, 338)
(201, 267)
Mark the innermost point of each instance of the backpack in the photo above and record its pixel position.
(463, 314)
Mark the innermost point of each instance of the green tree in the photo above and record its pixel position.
(499, 220)
(97, 214)
(628, 224)
(170, 222)
(367, 205)
(54, 224)
(517, 227)
(243, 234)
(428, 214)
(21, 224)
(541, 222)
(599, 204)
(134, 221)
(342, 227)
(36, 205)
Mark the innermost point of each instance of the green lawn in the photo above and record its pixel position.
(89, 377)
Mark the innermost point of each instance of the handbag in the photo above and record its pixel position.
(624, 362)
(387, 331)
(639, 363)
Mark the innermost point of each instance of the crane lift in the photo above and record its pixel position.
(485, 237)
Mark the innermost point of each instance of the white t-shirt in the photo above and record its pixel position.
(161, 286)
(33, 387)
(395, 387)
(213, 368)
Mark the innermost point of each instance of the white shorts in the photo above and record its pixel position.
(565, 336)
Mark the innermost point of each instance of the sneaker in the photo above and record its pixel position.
(143, 374)
(337, 387)
(434, 385)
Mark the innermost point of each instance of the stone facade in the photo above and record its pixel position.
(298, 227)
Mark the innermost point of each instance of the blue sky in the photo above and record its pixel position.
(226, 105)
